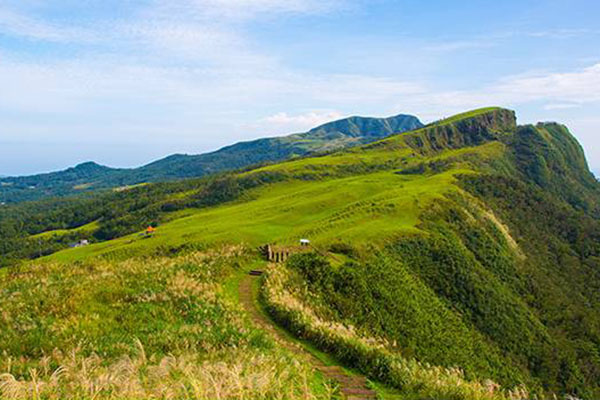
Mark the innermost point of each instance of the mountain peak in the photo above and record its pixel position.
(90, 166)
(367, 126)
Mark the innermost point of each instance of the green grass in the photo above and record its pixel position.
(389, 153)
(367, 208)
(129, 187)
(355, 195)
(373, 355)
(87, 228)
(164, 327)
(466, 115)
(420, 263)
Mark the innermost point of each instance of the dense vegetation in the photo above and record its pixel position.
(292, 302)
(91, 176)
(470, 243)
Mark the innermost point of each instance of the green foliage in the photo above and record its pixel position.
(314, 268)
(559, 278)
(289, 302)
(387, 299)
(549, 156)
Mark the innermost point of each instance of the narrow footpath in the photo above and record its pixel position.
(352, 387)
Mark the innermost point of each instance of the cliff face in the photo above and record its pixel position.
(546, 155)
(473, 129)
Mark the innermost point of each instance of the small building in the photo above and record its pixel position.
(81, 243)
(150, 230)
(304, 242)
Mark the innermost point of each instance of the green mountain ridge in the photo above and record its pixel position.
(91, 176)
(459, 260)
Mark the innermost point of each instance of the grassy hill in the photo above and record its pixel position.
(161, 328)
(457, 261)
(90, 176)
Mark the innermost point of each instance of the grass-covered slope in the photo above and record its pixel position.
(471, 243)
(367, 194)
(165, 327)
(90, 176)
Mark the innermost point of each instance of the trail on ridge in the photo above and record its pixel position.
(352, 387)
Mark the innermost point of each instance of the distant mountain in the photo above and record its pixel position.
(91, 176)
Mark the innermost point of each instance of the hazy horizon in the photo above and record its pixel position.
(142, 163)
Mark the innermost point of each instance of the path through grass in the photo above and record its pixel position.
(351, 384)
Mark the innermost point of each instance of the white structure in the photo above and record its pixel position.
(81, 243)
(304, 242)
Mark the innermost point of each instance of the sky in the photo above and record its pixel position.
(126, 82)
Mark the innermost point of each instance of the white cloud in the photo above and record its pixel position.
(16, 24)
(561, 106)
(197, 30)
(198, 96)
(236, 7)
(575, 88)
(561, 33)
(285, 122)
(451, 46)
(244, 9)
(200, 43)
(578, 86)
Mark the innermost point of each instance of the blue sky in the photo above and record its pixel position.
(124, 82)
